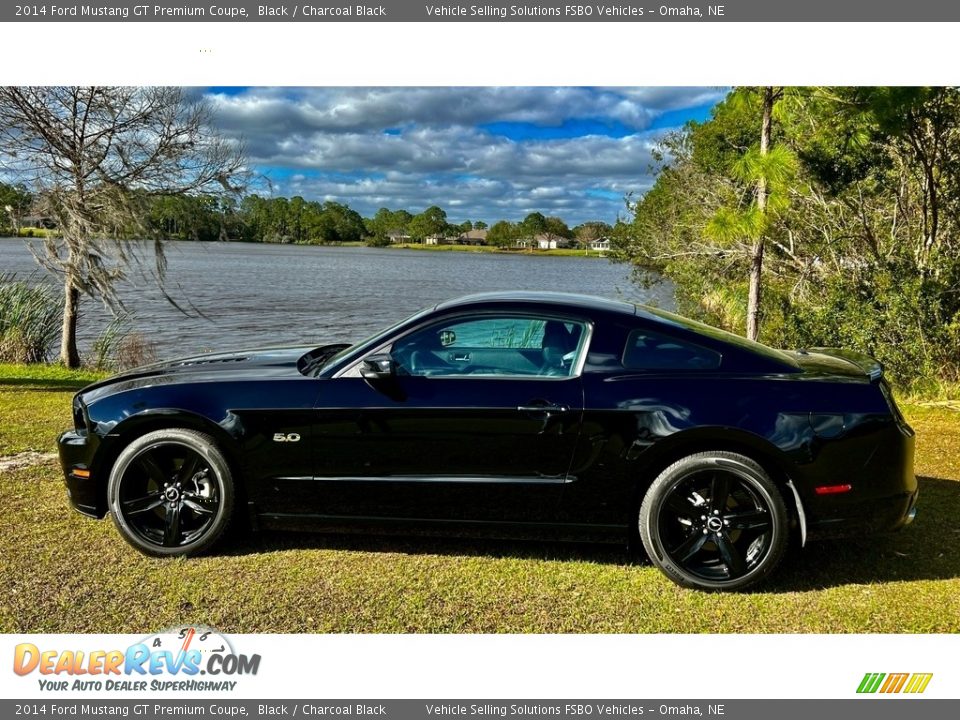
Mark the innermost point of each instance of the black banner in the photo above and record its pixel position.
(633, 11)
(487, 709)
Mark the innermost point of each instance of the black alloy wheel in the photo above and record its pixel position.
(714, 521)
(171, 493)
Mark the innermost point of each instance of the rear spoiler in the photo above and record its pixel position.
(870, 367)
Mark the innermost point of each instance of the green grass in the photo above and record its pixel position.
(64, 573)
(558, 252)
(35, 404)
(37, 233)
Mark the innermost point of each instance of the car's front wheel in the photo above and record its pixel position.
(714, 521)
(171, 493)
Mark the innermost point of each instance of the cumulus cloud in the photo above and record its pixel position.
(459, 148)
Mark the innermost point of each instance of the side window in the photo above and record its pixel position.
(493, 345)
(648, 350)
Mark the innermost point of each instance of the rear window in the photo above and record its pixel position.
(648, 350)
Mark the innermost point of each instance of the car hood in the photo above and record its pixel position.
(259, 363)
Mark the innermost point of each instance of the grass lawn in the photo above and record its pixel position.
(528, 252)
(64, 573)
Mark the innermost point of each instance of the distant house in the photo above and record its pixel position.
(472, 237)
(548, 241)
(600, 244)
(435, 240)
(398, 237)
(542, 241)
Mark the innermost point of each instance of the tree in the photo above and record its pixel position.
(385, 222)
(923, 124)
(479, 225)
(185, 217)
(337, 223)
(761, 170)
(431, 222)
(532, 225)
(255, 214)
(853, 255)
(503, 233)
(95, 157)
(557, 227)
(379, 226)
(297, 212)
(751, 223)
(15, 201)
(592, 231)
(756, 256)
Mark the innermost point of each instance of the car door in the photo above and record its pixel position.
(478, 420)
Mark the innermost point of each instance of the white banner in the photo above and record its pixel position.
(478, 666)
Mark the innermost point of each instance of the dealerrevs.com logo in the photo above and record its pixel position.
(171, 660)
(888, 683)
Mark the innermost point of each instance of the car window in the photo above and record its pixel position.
(495, 346)
(648, 350)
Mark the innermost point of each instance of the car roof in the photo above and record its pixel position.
(589, 302)
(656, 316)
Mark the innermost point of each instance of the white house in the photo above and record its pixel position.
(546, 241)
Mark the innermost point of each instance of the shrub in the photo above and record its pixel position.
(119, 348)
(908, 323)
(30, 317)
(135, 351)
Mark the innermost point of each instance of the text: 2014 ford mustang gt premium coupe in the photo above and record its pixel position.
(507, 413)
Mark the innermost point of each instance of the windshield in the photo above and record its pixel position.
(363, 345)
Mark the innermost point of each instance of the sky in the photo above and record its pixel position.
(480, 153)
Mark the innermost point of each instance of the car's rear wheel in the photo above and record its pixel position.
(714, 521)
(171, 493)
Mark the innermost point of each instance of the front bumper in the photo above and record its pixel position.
(85, 491)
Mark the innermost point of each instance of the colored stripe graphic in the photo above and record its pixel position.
(918, 682)
(894, 682)
(870, 682)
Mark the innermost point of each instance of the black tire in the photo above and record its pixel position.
(171, 493)
(714, 521)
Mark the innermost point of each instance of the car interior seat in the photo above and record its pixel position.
(556, 345)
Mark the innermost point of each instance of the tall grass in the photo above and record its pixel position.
(105, 346)
(30, 317)
(119, 347)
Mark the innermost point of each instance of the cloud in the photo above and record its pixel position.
(454, 147)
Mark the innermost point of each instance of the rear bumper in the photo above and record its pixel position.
(884, 490)
(84, 490)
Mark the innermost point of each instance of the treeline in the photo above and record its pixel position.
(843, 202)
(295, 220)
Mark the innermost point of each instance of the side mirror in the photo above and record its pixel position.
(377, 367)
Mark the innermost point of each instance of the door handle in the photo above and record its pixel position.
(548, 408)
(464, 357)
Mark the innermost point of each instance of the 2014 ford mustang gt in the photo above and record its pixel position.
(507, 413)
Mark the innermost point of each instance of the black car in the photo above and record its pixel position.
(523, 413)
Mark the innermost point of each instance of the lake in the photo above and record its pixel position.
(246, 295)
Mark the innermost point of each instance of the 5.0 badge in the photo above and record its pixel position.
(286, 437)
